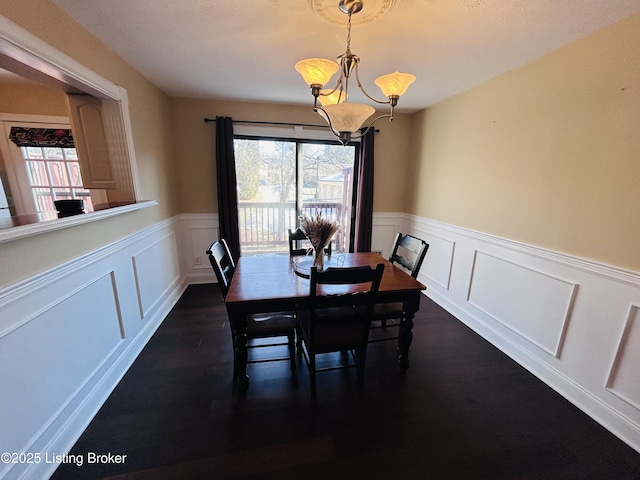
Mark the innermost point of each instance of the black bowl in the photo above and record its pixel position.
(67, 208)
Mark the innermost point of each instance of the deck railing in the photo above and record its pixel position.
(264, 225)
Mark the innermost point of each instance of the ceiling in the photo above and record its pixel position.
(246, 50)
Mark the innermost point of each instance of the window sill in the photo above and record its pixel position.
(15, 228)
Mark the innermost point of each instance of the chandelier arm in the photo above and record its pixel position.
(363, 132)
(338, 85)
(384, 102)
(328, 119)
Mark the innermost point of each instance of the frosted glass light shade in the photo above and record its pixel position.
(395, 84)
(316, 71)
(336, 97)
(346, 117)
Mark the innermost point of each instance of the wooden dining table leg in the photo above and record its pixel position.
(241, 363)
(240, 354)
(405, 336)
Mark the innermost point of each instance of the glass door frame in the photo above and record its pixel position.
(299, 143)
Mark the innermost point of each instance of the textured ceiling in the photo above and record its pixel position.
(246, 50)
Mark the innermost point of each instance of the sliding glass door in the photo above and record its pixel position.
(278, 180)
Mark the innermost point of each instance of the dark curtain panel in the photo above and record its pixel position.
(364, 202)
(227, 193)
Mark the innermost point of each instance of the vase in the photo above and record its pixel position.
(318, 258)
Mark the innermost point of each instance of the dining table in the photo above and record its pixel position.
(275, 282)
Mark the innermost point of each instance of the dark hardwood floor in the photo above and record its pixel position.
(464, 410)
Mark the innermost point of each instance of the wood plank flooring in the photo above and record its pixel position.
(464, 410)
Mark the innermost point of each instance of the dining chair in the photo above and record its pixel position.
(408, 252)
(341, 306)
(297, 238)
(259, 326)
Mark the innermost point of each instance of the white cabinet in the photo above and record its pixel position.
(89, 136)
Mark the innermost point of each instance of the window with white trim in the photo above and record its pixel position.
(54, 174)
(38, 175)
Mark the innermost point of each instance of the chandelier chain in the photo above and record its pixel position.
(349, 33)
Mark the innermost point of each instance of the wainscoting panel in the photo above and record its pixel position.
(68, 335)
(572, 322)
(533, 304)
(624, 379)
(439, 259)
(197, 233)
(156, 270)
(385, 227)
(54, 373)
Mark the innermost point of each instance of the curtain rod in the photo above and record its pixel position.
(207, 120)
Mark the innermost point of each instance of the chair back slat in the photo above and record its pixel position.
(411, 254)
(296, 239)
(223, 264)
(362, 282)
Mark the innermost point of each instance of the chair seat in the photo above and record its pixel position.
(334, 326)
(388, 310)
(270, 324)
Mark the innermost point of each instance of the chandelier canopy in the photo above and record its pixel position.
(345, 118)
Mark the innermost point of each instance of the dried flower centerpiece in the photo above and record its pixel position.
(319, 231)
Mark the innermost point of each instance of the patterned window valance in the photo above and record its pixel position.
(41, 137)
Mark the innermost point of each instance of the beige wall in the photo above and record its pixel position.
(547, 154)
(149, 110)
(32, 99)
(194, 149)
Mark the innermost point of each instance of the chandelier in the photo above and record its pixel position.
(345, 118)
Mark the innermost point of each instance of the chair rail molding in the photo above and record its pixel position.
(571, 321)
